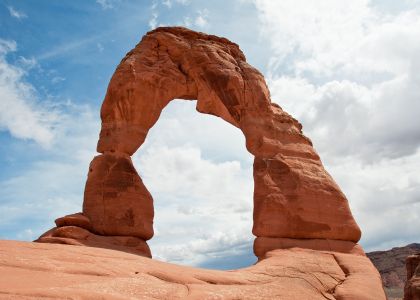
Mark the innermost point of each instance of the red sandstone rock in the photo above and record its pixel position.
(116, 200)
(294, 196)
(412, 286)
(77, 219)
(262, 245)
(73, 235)
(37, 271)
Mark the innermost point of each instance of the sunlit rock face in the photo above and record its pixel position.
(302, 220)
(48, 271)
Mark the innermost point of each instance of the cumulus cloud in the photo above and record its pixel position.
(385, 198)
(361, 120)
(200, 175)
(201, 18)
(21, 113)
(351, 78)
(349, 75)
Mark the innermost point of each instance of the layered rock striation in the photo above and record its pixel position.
(296, 202)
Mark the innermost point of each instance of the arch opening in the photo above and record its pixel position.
(199, 173)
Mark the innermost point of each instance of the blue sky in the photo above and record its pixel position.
(349, 74)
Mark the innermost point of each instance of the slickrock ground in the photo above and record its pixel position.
(37, 270)
(391, 264)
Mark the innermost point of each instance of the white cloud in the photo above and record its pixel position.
(153, 20)
(51, 185)
(212, 246)
(361, 120)
(386, 199)
(200, 175)
(16, 14)
(167, 3)
(201, 20)
(21, 114)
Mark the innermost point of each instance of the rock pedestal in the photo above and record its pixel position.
(76, 229)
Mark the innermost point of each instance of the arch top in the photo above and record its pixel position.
(178, 63)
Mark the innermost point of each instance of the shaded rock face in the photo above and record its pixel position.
(412, 286)
(391, 264)
(116, 200)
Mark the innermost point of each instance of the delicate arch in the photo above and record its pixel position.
(294, 197)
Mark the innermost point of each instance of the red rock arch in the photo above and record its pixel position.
(294, 196)
(296, 202)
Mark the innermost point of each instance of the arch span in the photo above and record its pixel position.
(294, 196)
(296, 202)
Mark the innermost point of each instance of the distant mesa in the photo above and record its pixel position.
(391, 264)
(306, 237)
(412, 286)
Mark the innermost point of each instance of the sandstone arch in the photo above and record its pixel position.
(296, 202)
(294, 196)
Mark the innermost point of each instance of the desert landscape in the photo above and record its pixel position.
(301, 218)
(157, 215)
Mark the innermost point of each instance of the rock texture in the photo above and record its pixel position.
(116, 200)
(75, 230)
(412, 286)
(391, 264)
(297, 205)
(38, 271)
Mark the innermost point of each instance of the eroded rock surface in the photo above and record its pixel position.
(38, 271)
(76, 230)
